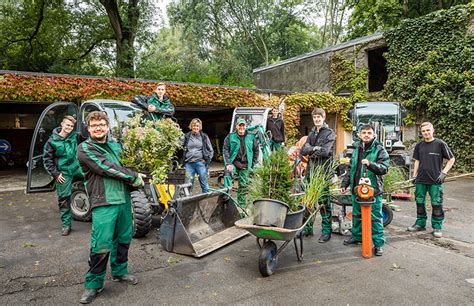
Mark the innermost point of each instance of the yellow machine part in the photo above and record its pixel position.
(166, 192)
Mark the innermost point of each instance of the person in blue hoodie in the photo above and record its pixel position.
(60, 160)
(159, 104)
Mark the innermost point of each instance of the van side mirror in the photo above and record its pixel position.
(403, 112)
(350, 113)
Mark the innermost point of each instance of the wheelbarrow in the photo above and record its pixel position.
(266, 235)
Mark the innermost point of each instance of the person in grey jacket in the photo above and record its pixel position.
(198, 154)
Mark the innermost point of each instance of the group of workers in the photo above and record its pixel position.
(97, 161)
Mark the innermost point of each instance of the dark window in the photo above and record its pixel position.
(377, 69)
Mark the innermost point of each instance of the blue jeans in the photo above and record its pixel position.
(200, 168)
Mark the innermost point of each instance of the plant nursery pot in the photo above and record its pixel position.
(295, 219)
(269, 212)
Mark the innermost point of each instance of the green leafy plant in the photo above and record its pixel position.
(317, 187)
(151, 146)
(394, 180)
(273, 180)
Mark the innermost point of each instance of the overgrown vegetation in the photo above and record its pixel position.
(344, 75)
(151, 147)
(430, 62)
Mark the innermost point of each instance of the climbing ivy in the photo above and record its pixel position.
(344, 75)
(307, 101)
(430, 65)
(48, 88)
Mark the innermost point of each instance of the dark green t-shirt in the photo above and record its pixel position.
(431, 155)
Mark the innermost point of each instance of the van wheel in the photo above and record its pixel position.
(80, 206)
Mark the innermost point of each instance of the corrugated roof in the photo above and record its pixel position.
(344, 45)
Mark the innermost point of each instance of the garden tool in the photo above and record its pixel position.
(365, 198)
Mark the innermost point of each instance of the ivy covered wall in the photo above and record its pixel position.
(430, 65)
(49, 88)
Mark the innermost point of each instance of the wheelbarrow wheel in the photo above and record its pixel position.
(387, 215)
(267, 260)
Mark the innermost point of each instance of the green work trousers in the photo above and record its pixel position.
(378, 238)
(436, 196)
(111, 235)
(243, 182)
(274, 146)
(326, 216)
(64, 191)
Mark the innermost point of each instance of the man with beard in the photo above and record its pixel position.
(370, 154)
(106, 184)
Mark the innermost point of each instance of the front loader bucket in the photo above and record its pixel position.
(199, 224)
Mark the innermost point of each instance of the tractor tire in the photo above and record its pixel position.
(81, 209)
(141, 214)
(387, 215)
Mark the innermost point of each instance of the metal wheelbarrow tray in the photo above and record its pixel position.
(268, 258)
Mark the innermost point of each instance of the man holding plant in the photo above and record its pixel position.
(370, 155)
(319, 147)
(240, 156)
(107, 185)
(159, 105)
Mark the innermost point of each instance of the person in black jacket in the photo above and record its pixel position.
(276, 126)
(107, 184)
(197, 154)
(319, 147)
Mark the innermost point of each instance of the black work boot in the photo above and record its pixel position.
(378, 250)
(324, 238)
(65, 231)
(89, 295)
(127, 278)
(415, 228)
(351, 241)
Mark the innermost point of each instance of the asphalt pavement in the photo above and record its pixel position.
(38, 266)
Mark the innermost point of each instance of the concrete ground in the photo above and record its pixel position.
(38, 266)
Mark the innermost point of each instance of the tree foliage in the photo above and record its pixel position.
(371, 16)
(73, 36)
(238, 35)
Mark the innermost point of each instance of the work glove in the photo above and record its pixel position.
(316, 148)
(139, 182)
(441, 177)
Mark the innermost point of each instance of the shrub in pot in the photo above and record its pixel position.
(272, 180)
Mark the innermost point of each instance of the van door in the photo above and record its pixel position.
(38, 179)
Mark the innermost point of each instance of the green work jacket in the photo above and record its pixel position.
(232, 145)
(379, 163)
(60, 154)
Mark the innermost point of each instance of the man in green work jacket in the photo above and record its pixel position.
(107, 184)
(159, 104)
(60, 160)
(370, 154)
(240, 156)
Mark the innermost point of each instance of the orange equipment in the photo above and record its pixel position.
(365, 197)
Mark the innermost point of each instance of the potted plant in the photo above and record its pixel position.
(151, 147)
(270, 190)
